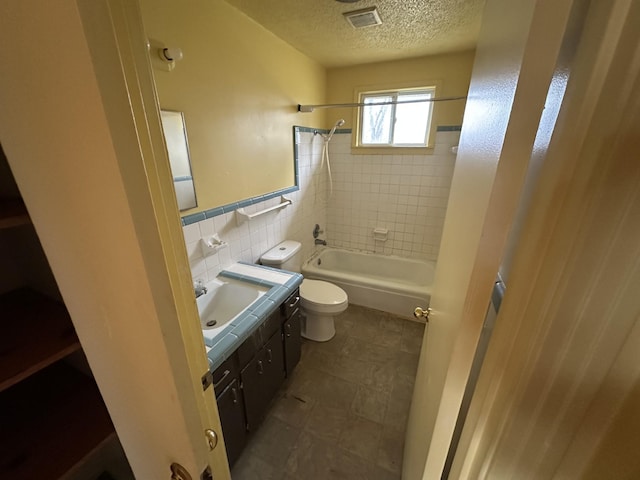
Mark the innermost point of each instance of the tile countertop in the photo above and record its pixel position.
(281, 283)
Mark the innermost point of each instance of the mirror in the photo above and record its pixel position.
(175, 134)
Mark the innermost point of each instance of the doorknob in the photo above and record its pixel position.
(178, 472)
(212, 438)
(419, 312)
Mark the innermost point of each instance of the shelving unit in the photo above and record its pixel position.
(57, 418)
(13, 213)
(36, 333)
(51, 415)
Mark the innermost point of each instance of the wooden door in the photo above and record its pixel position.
(516, 60)
(80, 126)
(558, 396)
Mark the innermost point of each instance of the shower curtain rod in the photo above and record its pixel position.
(311, 108)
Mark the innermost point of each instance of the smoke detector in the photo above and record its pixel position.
(365, 17)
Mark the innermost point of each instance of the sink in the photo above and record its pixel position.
(224, 301)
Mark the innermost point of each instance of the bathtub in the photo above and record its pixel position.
(388, 283)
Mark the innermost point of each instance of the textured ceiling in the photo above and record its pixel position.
(410, 28)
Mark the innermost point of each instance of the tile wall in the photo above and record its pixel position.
(406, 194)
(248, 241)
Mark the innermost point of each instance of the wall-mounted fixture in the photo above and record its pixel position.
(163, 57)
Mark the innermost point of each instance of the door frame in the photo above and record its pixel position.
(85, 144)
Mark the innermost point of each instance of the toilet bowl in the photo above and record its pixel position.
(320, 301)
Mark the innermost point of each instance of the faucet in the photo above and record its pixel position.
(199, 288)
(317, 241)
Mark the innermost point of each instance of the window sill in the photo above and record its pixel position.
(387, 150)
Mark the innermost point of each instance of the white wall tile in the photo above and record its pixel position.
(403, 193)
(407, 194)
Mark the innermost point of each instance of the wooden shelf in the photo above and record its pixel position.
(36, 332)
(13, 213)
(49, 423)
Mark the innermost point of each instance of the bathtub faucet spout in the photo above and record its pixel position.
(317, 241)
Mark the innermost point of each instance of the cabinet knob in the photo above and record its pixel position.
(260, 367)
(287, 328)
(269, 355)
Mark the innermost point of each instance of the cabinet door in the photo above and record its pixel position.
(274, 365)
(292, 342)
(261, 379)
(231, 411)
(223, 375)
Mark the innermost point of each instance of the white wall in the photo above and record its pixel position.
(406, 194)
(248, 241)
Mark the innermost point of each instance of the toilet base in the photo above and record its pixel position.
(319, 328)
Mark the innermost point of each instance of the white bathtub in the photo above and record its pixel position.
(388, 283)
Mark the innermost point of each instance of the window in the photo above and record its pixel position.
(396, 118)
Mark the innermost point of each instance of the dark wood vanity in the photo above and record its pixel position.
(246, 383)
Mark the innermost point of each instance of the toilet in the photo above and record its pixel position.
(320, 301)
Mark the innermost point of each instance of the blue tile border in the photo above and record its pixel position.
(214, 212)
(449, 128)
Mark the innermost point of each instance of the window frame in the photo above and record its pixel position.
(394, 93)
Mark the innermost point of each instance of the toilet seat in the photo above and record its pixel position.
(324, 297)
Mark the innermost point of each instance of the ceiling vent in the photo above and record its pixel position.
(366, 17)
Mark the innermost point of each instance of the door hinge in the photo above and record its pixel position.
(207, 475)
(207, 380)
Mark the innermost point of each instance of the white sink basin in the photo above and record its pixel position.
(224, 301)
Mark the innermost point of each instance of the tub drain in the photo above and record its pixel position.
(212, 323)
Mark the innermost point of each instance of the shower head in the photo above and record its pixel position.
(328, 136)
(339, 123)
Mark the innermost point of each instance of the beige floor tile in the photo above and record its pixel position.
(367, 352)
(370, 404)
(387, 339)
(352, 370)
(392, 323)
(252, 467)
(273, 442)
(407, 364)
(343, 412)
(361, 437)
(293, 409)
(327, 423)
(326, 389)
(381, 377)
(391, 449)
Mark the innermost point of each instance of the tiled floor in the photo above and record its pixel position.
(343, 413)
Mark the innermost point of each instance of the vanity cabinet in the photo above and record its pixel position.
(261, 379)
(232, 418)
(291, 331)
(249, 379)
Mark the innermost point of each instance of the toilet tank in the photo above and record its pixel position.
(285, 255)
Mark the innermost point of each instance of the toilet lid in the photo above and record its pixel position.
(320, 292)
